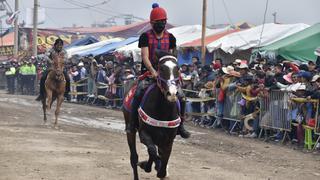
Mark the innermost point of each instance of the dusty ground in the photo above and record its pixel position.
(90, 144)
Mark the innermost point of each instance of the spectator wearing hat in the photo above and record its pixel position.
(223, 84)
(75, 76)
(292, 83)
(92, 74)
(306, 90)
(316, 83)
(237, 63)
(83, 75)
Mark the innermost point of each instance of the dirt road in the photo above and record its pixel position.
(90, 144)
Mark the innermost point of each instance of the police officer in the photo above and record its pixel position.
(157, 38)
(10, 75)
(57, 48)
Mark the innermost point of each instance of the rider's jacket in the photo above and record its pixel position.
(48, 57)
(154, 43)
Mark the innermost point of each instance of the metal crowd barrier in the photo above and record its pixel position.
(275, 112)
(81, 83)
(231, 108)
(309, 109)
(197, 99)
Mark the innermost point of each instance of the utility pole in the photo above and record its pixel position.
(16, 31)
(35, 28)
(204, 19)
(274, 17)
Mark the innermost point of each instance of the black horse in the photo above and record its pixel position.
(159, 118)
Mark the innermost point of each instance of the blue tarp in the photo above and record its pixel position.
(109, 47)
(186, 57)
(82, 42)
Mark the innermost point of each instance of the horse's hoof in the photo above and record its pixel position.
(45, 123)
(56, 127)
(162, 175)
(144, 165)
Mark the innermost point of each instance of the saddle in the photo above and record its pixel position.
(129, 97)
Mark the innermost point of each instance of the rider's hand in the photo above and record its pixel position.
(154, 74)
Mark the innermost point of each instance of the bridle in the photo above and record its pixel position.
(161, 80)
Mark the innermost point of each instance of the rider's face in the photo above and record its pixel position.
(159, 26)
(58, 47)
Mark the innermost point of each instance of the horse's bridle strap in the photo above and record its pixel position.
(156, 123)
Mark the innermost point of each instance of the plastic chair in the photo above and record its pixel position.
(308, 141)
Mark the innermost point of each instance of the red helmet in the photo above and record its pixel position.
(157, 13)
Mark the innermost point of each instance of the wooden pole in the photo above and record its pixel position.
(16, 31)
(203, 46)
(35, 29)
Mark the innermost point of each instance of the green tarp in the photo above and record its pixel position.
(297, 47)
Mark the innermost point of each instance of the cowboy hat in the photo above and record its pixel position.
(228, 69)
(243, 66)
(315, 78)
(80, 64)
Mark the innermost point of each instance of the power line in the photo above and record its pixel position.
(264, 21)
(230, 21)
(102, 10)
(86, 7)
(74, 8)
(51, 19)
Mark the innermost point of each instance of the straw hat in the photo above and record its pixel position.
(243, 66)
(80, 64)
(228, 69)
(315, 78)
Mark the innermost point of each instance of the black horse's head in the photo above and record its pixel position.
(168, 78)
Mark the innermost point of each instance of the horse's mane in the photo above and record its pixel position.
(160, 53)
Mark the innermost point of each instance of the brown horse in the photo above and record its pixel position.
(159, 118)
(55, 86)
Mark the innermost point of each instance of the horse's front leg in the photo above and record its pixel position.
(49, 98)
(164, 153)
(152, 151)
(59, 103)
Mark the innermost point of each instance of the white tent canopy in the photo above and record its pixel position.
(90, 47)
(251, 38)
(183, 34)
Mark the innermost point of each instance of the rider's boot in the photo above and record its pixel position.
(181, 129)
(42, 89)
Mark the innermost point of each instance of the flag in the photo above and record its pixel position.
(11, 18)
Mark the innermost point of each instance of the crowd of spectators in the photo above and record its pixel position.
(94, 78)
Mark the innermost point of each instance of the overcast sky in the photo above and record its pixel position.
(180, 12)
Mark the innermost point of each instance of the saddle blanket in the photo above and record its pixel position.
(129, 98)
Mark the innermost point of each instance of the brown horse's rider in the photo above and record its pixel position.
(157, 38)
(57, 50)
